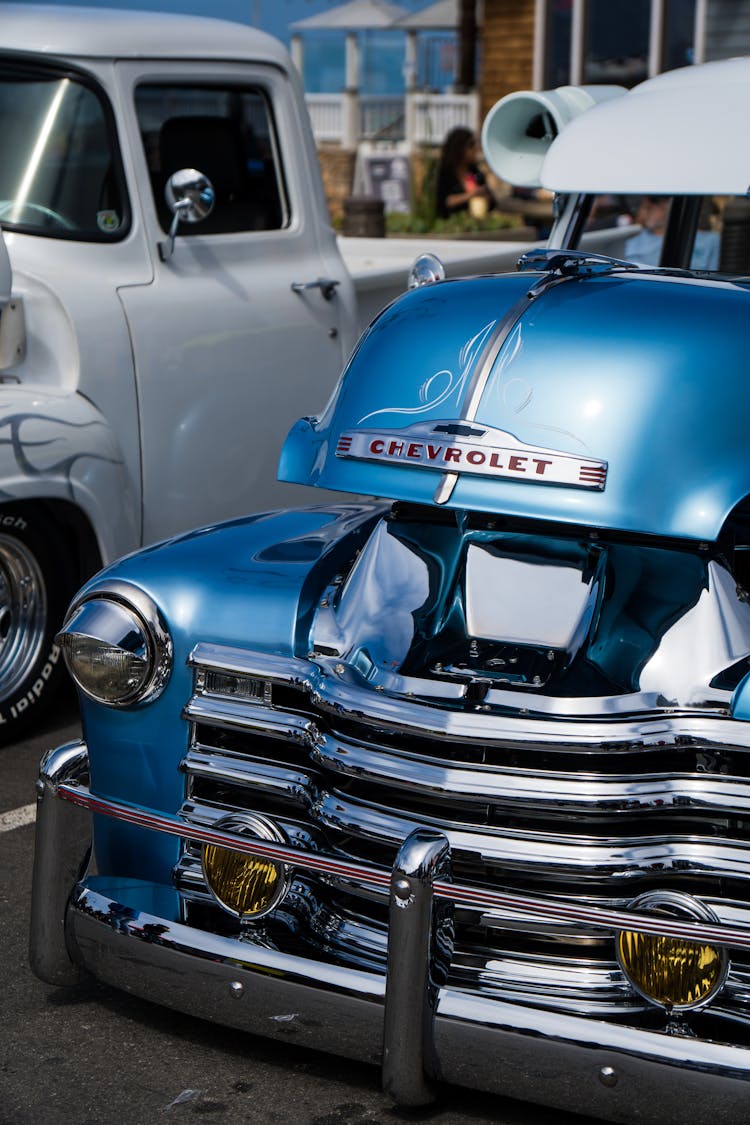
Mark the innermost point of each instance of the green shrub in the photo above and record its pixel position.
(462, 222)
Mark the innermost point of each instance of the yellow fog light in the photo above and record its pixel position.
(248, 886)
(675, 973)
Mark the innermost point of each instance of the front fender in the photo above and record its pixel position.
(61, 447)
(260, 577)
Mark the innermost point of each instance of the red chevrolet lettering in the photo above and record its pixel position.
(452, 454)
(476, 457)
(495, 461)
(434, 451)
(517, 463)
(540, 465)
(395, 449)
(414, 449)
(377, 446)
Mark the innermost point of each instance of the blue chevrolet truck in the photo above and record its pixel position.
(456, 779)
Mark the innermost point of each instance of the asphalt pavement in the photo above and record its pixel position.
(96, 1056)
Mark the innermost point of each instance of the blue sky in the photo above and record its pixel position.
(273, 16)
(382, 52)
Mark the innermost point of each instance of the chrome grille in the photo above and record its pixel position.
(594, 810)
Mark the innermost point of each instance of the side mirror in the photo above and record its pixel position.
(190, 197)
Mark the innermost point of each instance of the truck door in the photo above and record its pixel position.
(227, 354)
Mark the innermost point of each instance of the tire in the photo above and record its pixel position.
(37, 581)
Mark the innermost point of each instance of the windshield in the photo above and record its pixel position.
(58, 175)
(710, 234)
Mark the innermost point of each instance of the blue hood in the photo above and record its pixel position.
(616, 401)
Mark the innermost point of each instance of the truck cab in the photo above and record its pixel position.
(147, 378)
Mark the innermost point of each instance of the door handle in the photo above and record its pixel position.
(326, 285)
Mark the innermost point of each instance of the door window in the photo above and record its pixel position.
(225, 133)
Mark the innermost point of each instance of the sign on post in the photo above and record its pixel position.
(382, 171)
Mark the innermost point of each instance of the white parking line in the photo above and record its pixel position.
(17, 818)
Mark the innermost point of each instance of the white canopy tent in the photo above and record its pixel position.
(352, 17)
(348, 117)
(441, 16)
(355, 15)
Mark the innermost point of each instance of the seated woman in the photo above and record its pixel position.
(459, 180)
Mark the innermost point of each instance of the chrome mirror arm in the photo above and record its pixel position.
(166, 246)
(190, 197)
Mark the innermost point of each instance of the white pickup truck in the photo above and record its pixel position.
(147, 379)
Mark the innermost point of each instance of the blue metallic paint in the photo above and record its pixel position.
(646, 372)
(257, 576)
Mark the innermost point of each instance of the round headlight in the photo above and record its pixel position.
(116, 647)
(247, 886)
(674, 973)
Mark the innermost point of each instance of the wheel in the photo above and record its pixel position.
(39, 209)
(37, 582)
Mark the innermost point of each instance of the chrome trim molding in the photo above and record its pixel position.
(63, 836)
(414, 951)
(548, 1057)
(158, 637)
(482, 1043)
(234, 715)
(625, 794)
(622, 722)
(484, 366)
(515, 906)
(242, 984)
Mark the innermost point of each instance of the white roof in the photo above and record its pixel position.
(442, 16)
(357, 15)
(682, 132)
(79, 32)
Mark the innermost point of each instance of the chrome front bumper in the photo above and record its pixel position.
(419, 1031)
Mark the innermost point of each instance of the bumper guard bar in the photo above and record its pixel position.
(430, 1030)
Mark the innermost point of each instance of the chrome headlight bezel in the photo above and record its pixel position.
(252, 824)
(135, 622)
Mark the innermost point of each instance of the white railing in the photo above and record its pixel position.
(434, 115)
(327, 116)
(382, 118)
(417, 118)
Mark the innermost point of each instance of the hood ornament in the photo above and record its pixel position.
(573, 263)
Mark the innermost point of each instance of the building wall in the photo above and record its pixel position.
(337, 166)
(727, 29)
(507, 49)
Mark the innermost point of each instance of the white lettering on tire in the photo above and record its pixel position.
(13, 521)
(21, 705)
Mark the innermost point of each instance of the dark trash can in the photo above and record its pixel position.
(364, 217)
